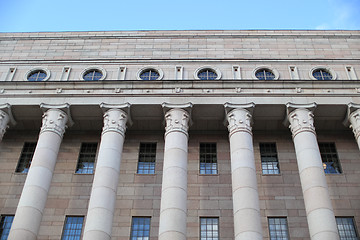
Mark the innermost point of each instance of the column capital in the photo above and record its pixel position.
(6, 107)
(5, 117)
(239, 117)
(300, 117)
(352, 118)
(115, 120)
(65, 107)
(177, 117)
(125, 107)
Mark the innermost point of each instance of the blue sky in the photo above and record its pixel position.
(91, 15)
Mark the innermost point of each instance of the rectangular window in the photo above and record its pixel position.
(86, 159)
(140, 228)
(5, 225)
(329, 158)
(269, 158)
(209, 228)
(72, 228)
(346, 227)
(26, 157)
(278, 228)
(147, 157)
(208, 158)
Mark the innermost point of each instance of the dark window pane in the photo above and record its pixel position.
(86, 159)
(346, 227)
(264, 74)
(329, 158)
(209, 228)
(278, 228)
(140, 228)
(26, 157)
(207, 74)
(72, 228)
(5, 225)
(322, 74)
(147, 157)
(208, 158)
(269, 159)
(150, 74)
(37, 76)
(92, 75)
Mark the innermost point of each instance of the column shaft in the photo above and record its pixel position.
(34, 195)
(173, 210)
(100, 214)
(247, 219)
(319, 211)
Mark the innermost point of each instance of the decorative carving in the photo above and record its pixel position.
(301, 120)
(239, 120)
(54, 120)
(115, 121)
(4, 121)
(354, 119)
(177, 119)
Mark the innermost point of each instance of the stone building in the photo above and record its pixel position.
(175, 135)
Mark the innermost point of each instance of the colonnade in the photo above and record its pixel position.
(173, 209)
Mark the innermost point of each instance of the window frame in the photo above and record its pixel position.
(93, 68)
(28, 160)
(206, 228)
(264, 68)
(323, 68)
(281, 230)
(204, 68)
(325, 166)
(353, 225)
(37, 69)
(80, 153)
(150, 68)
(208, 154)
(2, 222)
(132, 229)
(65, 224)
(147, 155)
(269, 155)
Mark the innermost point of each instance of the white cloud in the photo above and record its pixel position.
(346, 15)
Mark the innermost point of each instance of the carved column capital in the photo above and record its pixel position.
(5, 118)
(115, 121)
(301, 118)
(177, 117)
(54, 120)
(239, 117)
(353, 117)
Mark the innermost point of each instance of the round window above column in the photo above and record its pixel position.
(149, 73)
(322, 73)
(93, 74)
(37, 75)
(207, 73)
(265, 73)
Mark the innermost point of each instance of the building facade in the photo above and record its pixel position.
(180, 135)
